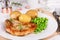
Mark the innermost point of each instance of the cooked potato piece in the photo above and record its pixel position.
(15, 14)
(32, 13)
(24, 18)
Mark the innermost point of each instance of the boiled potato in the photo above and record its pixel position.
(32, 13)
(24, 18)
(15, 14)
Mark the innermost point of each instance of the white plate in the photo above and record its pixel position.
(51, 28)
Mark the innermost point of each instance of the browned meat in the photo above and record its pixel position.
(8, 23)
(12, 30)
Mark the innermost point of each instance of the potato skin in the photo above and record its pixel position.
(32, 13)
(24, 18)
(15, 14)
